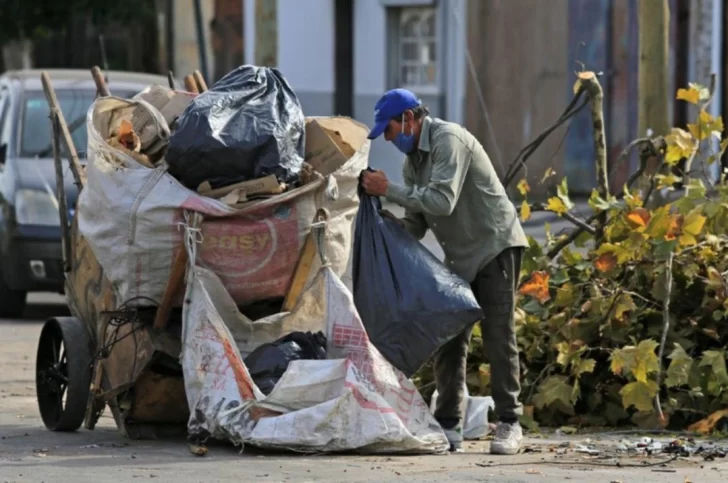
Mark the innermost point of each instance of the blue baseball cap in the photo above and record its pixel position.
(392, 104)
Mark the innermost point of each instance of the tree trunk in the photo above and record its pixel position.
(18, 54)
(654, 28)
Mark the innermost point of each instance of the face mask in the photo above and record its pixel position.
(403, 142)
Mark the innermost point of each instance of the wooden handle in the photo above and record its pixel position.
(200, 81)
(191, 85)
(176, 279)
(101, 86)
(300, 275)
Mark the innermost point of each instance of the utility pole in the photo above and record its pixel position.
(266, 33)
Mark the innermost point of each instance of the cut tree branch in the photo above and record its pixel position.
(590, 83)
(520, 161)
(582, 224)
(665, 328)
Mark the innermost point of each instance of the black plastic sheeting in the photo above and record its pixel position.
(409, 302)
(267, 363)
(248, 125)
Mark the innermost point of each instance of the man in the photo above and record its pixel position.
(452, 188)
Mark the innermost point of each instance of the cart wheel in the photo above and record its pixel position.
(63, 373)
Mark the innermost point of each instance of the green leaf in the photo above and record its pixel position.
(565, 295)
(639, 394)
(571, 257)
(560, 276)
(552, 389)
(663, 249)
(583, 239)
(715, 359)
(680, 364)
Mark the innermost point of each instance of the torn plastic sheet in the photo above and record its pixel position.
(354, 401)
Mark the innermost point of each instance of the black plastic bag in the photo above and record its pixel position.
(409, 302)
(267, 363)
(248, 125)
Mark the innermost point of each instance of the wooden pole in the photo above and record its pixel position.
(101, 87)
(75, 163)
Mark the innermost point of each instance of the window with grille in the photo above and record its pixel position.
(416, 48)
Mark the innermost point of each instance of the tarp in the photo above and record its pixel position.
(354, 401)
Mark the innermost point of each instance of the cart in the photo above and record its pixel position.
(106, 354)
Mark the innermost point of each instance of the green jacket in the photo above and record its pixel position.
(452, 188)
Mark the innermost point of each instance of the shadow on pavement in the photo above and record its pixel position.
(35, 312)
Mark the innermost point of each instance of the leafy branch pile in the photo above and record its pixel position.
(598, 307)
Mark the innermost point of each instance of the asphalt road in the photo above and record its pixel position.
(30, 453)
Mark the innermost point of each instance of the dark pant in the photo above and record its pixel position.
(495, 289)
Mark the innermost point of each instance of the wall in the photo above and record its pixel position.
(519, 50)
(306, 52)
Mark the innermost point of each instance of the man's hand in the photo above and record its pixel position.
(375, 183)
(389, 215)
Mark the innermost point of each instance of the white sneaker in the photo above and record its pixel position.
(508, 439)
(455, 438)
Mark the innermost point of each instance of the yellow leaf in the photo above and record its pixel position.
(523, 187)
(707, 125)
(675, 228)
(639, 394)
(692, 226)
(622, 360)
(624, 304)
(537, 287)
(525, 211)
(674, 154)
(691, 95)
(645, 361)
(659, 222)
(680, 144)
(623, 254)
(693, 223)
(556, 205)
(584, 366)
(667, 181)
(564, 350)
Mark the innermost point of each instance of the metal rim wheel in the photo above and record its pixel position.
(63, 373)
